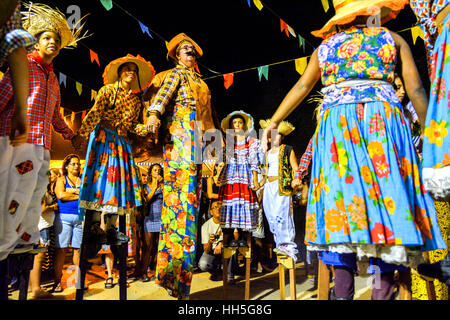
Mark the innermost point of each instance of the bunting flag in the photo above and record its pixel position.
(79, 87)
(326, 5)
(248, 1)
(62, 79)
(284, 27)
(167, 45)
(300, 64)
(263, 71)
(1, 74)
(93, 94)
(301, 42)
(107, 4)
(258, 4)
(144, 29)
(196, 68)
(416, 32)
(94, 57)
(291, 31)
(228, 80)
(72, 118)
(83, 114)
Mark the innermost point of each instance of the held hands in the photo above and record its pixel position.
(153, 123)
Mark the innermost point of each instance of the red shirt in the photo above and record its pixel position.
(43, 104)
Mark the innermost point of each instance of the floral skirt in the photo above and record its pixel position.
(366, 193)
(109, 181)
(436, 137)
(182, 185)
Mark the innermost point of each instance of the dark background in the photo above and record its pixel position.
(233, 37)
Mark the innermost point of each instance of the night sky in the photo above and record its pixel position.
(233, 37)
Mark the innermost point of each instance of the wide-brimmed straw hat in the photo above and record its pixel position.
(348, 10)
(146, 71)
(175, 41)
(248, 119)
(39, 18)
(284, 127)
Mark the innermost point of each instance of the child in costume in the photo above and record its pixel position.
(277, 199)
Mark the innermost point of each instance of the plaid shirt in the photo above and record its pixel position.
(13, 36)
(305, 160)
(124, 116)
(43, 106)
(175, 79)
(426, 12)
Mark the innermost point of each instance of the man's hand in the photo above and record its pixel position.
(218, 248)
(19, 129)
(297, 185)
(153, 124)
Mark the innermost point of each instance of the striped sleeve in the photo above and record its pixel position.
(305, 161)
(166, 92)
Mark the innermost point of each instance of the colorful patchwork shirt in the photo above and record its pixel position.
(426, 12)
(13, 36)
(43, 105)
(123, 115)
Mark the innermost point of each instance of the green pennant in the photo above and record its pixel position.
(263, 71)
(107, 4)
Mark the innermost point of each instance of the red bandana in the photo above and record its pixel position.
(36, 57)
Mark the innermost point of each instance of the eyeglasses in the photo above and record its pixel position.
(74, 164)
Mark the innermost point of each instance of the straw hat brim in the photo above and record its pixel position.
(146, 71)
(248, 120)
(175, 41)
(389, 9)
(284, 127)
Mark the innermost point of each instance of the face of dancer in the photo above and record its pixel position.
(49, 45)
(128, 73)
(156, 170)
(187, 54)
(400, 92)
(237, 124)
(74, 167)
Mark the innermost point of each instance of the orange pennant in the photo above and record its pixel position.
(83, 114)
(228, 79)
(94, 56)
(284, 27)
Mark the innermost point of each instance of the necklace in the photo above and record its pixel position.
(73, 184)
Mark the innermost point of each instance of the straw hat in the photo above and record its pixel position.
(284, 127)
(146, 71)
(40, 18)
(7, 8)
(348, 10)
(225, 124)
(175, 41)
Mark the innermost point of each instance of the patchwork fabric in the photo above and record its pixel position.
(13, 207)
(24, 167)
(25, 237)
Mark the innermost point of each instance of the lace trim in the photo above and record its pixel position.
(88, 205)
(437, 182)
(393, 254)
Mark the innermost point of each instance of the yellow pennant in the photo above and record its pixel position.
(258, 4)
(1, 74)
(93, 94)
(167, 45)
(300, 64)
(416, 32)
(79, 88)
(72, 118)
(325, 4)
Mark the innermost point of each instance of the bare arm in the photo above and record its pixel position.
(411, 78)
(293, 161)
(61, 193)
(209, 189)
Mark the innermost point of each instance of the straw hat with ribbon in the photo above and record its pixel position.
(39, 18)
(176, 41)
(348, 10)
(145, 75)
(284, 127)
(248, 119)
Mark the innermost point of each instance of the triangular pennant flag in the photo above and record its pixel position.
(284, 27)
(83, 114)
(258, 4)
(93, 94)
(107, 4)
(291, 31)
(1, 74)
(248, 1)
(72, 117)
(326, 5)
(167, 45)
(416, 32)
(79, 87)
(301, 42)
(62, 79)
(196, 68)
(144, 29)
(94, 57)
(263, 71)
(300, 64)
(228, 79)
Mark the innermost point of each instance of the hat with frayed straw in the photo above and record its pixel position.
(146, 72)
(284, 127)
(248, 120)
(348, 10)
(40, 18)
(176, 41)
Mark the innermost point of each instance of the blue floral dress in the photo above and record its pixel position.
(366, 194)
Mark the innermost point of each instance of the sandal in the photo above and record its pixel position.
(57, 288)
(109, 283)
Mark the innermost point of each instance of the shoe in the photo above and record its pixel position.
(22, 248)
(115, 237)
(40, 294)
(232, 243)
(109, 283)
(215, 277)
(242, 243)
(439, 270)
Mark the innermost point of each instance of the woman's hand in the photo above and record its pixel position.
(297, 185)
(153, 124)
